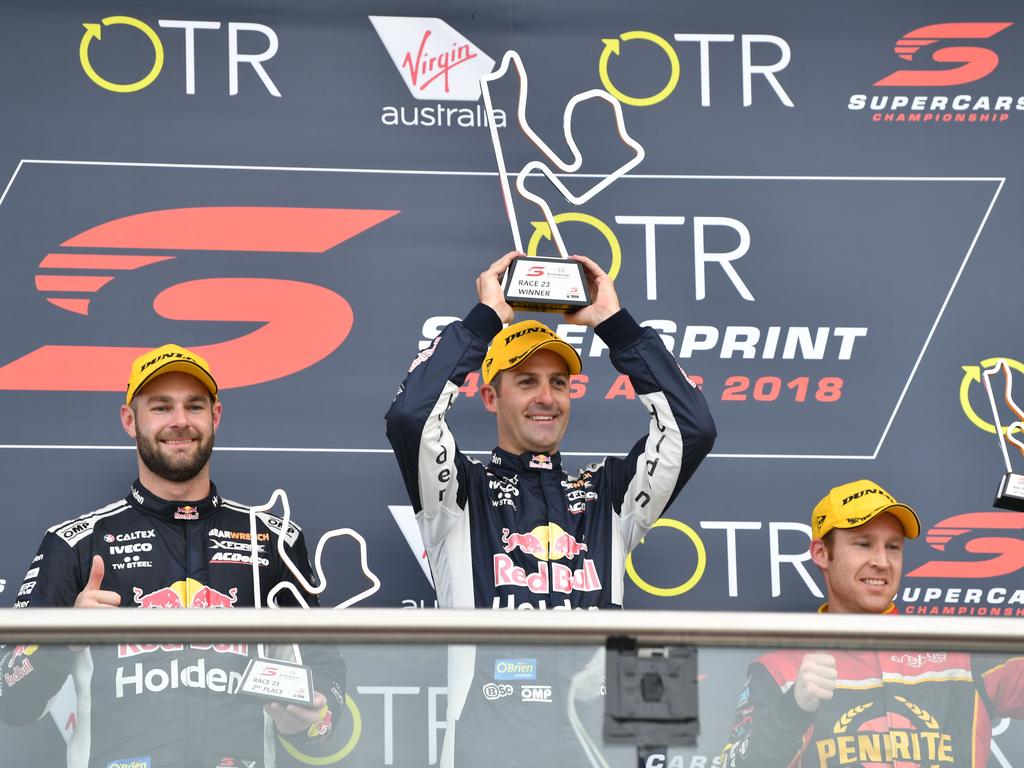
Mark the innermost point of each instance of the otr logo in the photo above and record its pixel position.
(93, 37)
(614, 47)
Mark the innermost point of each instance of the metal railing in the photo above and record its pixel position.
(393, 625)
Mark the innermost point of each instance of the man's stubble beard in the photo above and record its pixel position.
(156, 463)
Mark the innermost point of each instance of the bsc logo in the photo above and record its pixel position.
(975, 62)
(997, 534)
(299, 323)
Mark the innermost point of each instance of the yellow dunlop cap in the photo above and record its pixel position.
(854, 504)
(168, 359)
(516, 343)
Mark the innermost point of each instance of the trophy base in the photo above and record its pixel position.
(546, 285)
(1010, 494)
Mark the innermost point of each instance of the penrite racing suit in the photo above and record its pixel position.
(890, 708)
(166, 704)
(520, 532)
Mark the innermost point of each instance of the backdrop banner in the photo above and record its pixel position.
(824, 230)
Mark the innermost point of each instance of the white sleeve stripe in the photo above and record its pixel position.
(118, 506)
(436, 471)
(657, 471)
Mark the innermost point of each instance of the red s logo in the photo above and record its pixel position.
(537, 271)
(300, 323)
(975, 63)
(979, 529)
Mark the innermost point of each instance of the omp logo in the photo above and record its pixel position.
(435, 61)
(300, 323)
(108, 41)
(974, 61)
(996, 539)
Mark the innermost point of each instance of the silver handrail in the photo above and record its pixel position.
(393, 625)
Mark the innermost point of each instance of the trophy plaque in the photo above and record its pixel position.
(278, 681)
(546, 285)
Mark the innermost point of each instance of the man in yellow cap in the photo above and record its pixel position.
(172, 542)
(865, 707)
(520, 532)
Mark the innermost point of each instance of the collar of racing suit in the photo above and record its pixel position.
(524, 462)
(142, 498)
(823, 608)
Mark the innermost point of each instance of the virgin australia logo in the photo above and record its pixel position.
(436, 63)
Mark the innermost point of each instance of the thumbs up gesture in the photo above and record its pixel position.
(92, 596)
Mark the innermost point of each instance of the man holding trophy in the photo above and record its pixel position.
(520, 531)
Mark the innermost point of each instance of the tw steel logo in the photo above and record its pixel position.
(995, 534)
(974, 61)
(301, 323)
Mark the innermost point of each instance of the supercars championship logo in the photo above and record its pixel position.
(966, 549)
(942, 56)
(74, 275)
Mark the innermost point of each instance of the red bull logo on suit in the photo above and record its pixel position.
(545, 543)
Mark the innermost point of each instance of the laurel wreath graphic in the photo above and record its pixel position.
(922, 714)
(847, 717)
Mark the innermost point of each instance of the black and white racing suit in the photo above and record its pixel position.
(155, 705)
(520, 532)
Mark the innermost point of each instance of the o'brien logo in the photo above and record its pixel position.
(941, 60)
(436, 63)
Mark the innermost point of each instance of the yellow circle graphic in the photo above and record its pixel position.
(541, 229)
(972, 375)
(94, 32)
(613, 46)
(357, 730)
(698, 572)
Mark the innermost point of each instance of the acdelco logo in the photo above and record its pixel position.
(997, 534)
(118, 29)
(975, 62)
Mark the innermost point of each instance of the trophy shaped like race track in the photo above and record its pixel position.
(1010, 493)
(544, 284)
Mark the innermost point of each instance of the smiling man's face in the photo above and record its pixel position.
(174, 420)
(862, 566)
(531, 402)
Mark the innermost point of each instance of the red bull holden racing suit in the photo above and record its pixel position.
(160, 705)
(520, 532)
(911, 710)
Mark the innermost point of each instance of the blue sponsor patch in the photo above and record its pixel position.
(130, 762)
(515, 669)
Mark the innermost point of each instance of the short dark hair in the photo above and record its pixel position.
(827, 540)
(496, 382)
